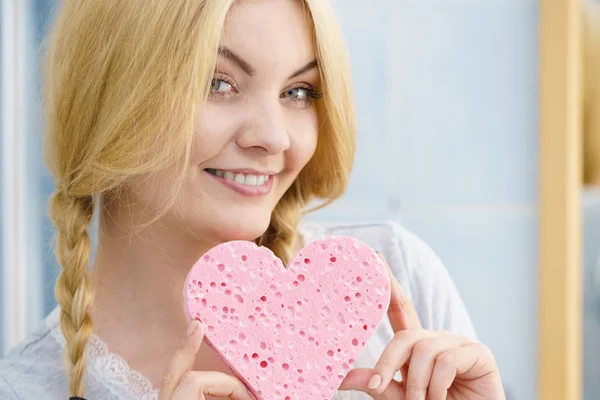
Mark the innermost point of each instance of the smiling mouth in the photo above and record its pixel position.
(242, 179)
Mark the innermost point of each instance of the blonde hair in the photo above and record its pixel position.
(121, 86)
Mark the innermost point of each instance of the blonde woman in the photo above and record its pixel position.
(185, 124)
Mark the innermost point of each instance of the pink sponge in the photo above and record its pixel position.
(289, 334)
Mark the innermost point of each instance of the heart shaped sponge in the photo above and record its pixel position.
(289, 333)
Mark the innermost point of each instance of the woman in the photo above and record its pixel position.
(185, 124)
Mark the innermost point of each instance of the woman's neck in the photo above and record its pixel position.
(138, 279)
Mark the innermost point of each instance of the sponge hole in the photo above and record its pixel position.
(238, 298)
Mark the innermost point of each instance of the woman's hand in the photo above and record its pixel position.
(181, 383)
(434, 365)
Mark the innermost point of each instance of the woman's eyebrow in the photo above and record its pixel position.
(306, 68)
(248, 69)
(230, 55)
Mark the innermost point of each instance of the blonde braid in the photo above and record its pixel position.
(282, 233)
(71, 215)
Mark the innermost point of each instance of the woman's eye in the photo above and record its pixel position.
(219, 85)
(297, 93)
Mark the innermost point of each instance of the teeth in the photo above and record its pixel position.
(245, 179)
(251, 180)
(239, 178)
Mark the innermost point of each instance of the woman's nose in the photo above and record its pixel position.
(266, 130)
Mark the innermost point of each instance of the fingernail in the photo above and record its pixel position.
(374, 382)
(192, 327)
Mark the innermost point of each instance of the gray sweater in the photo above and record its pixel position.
(34, 369)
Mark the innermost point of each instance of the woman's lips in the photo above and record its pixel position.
(248, 184)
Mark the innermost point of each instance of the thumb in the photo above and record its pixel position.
(358, 379)
(183, 360)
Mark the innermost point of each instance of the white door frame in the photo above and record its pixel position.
(21, 247)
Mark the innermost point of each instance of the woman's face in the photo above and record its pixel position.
(259, 127)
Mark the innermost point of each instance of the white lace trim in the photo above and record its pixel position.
(111, 370)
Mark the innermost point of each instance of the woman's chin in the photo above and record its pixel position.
(247, 229)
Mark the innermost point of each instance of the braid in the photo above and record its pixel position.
(282, 233)
(71, 215)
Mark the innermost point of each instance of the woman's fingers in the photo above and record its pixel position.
(401, 312)
(395, 356)
(474, 363)
(358, 379)
(196, 385)
(443, 374)
(183, 360)
(434, 366)
(180, 383)
(422, 362)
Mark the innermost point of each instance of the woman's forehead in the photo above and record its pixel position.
(264, 29)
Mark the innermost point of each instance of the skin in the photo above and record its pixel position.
(260, 116)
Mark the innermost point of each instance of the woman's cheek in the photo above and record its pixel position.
(215, 128)
(304, 137)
